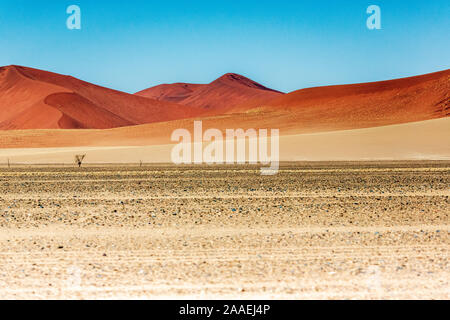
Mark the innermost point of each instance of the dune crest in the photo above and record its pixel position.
(35, 99)
(364, 105)
(223, 94)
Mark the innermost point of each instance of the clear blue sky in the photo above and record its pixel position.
(287, 45)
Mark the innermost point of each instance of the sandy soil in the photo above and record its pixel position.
(411, 141)
(314, 231)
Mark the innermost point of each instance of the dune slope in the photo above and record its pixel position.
(32, 99)
(364, 105)
(230, 91)
(35, 99)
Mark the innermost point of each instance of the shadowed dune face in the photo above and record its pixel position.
(364, 105)
(176, 92)
(35, 99)
(231, 91)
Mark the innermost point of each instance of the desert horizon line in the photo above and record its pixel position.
(227, 74)
(36, 99)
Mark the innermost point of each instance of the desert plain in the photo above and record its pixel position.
(316, 230)
(358, 210)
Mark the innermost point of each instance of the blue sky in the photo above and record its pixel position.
(287, 45)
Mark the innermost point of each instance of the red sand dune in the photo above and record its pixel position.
(67, 102)
(227, 92)
(362, 105)
(176, 92)
(35, 99)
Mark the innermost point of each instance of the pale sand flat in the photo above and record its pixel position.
(426, 140)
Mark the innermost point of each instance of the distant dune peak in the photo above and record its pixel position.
(230, 91)
(9, 68)
(237, 79)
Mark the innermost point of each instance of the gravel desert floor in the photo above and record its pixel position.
(371, 230)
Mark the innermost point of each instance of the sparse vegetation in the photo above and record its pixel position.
(79, 159)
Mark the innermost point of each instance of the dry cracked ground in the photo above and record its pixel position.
(314, 231)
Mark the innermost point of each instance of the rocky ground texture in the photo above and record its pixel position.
(314, 231)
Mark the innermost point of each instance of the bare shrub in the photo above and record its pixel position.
(79, 159)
